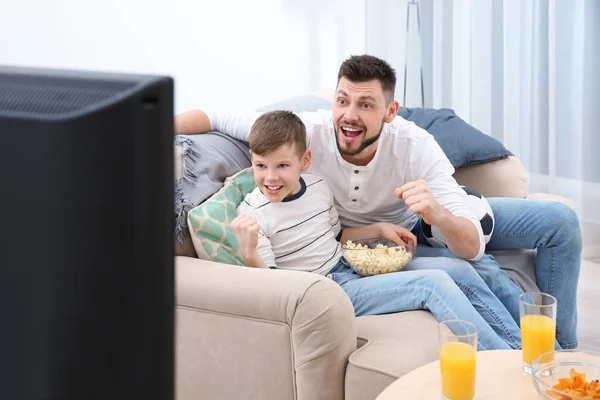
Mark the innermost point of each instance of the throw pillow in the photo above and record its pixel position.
(462, 143)
(209, 222)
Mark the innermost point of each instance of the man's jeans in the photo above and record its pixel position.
(552, 228)
(421, 288)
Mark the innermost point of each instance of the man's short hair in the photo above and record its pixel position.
(274, 129)
(365, 68)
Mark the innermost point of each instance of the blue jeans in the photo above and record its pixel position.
(550, 227)
(433, 290)
(553, 229)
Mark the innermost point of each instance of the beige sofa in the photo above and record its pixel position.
(263, 334)
(281, 335)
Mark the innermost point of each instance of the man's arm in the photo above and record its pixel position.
(191, 123)
(438, 199)
(386, 230)
(197, 121)
(462, 236)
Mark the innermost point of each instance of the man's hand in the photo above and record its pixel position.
(397, 234)
(420, 201)
(461, 235)
(245, 229)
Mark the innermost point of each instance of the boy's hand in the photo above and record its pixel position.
(419, 199)
(397, 234)
(245, 229)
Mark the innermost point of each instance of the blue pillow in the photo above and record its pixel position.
(463, 144)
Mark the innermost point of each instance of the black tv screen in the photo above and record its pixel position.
(86, 243)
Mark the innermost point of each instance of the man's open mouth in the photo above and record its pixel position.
(350, 133)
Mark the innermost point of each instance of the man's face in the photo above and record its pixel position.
(359, 112)
(277, 174)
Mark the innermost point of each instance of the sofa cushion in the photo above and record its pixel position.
(519, 264)
(392, 345)
(503, 178)
(209, 222)
(462, 143)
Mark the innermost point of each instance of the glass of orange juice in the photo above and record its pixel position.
(538, 325)
(458, 350)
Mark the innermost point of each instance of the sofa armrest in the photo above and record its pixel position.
(551, 197)
(498, 178)
(254, 333)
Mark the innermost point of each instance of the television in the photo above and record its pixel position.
(86, 243)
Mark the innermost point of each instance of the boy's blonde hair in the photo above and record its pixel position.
(273, 129)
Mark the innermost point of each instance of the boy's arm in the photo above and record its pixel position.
(265, 251)
(254, 247)
(253, 260)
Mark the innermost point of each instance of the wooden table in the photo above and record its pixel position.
(499, 376)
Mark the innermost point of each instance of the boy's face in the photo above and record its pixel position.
(277, 174)
(359, 112)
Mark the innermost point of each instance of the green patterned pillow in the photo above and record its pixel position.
(209, 222)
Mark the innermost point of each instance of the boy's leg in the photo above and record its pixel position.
(431, 290)
(467, 278)
(553, 229)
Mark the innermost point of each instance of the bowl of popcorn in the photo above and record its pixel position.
(376, 256)
(567, 375)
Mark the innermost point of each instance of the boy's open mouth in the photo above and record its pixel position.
(273, 189)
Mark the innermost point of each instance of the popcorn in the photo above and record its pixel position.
(380, 260)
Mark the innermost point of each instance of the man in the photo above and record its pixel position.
(382, 168)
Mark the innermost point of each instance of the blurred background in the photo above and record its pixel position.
(524, 72)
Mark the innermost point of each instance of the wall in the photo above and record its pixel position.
(225, 53)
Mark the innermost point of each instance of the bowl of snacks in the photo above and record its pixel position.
(567, 375)
(376, 256)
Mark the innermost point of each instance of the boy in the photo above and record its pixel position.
(290, 222)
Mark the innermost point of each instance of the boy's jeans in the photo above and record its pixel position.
(433, 290)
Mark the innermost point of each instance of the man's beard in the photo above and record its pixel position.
(366, 143)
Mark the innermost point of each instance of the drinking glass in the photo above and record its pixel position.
(458, 351)
(538, 325)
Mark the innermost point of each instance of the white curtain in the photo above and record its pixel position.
(524, 72)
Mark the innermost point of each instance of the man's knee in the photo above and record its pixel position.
(567, 227)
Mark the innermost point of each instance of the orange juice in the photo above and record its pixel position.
(457, 361)
(537, 335)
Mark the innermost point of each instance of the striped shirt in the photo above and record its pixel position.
(299, 232)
